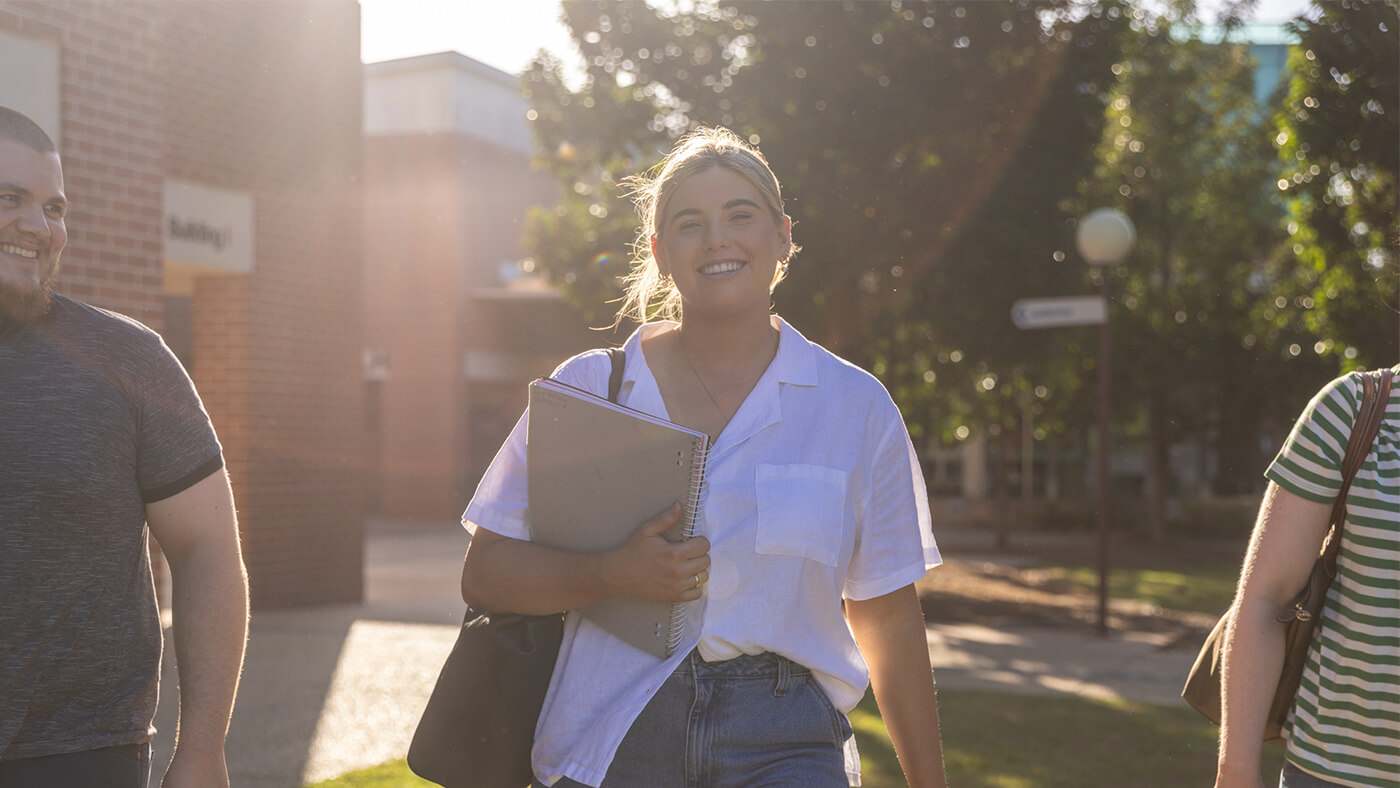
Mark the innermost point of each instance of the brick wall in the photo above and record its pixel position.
(415, 245)
(262, 98)
(444, 210)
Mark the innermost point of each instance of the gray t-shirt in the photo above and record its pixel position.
(97, 419)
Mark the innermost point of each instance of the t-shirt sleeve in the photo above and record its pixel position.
(501, 503)
(176, 444)
(1310, 462)
(894, 534)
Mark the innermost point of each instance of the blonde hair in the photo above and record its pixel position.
(647, 295)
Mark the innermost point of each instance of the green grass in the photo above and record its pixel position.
(997, 740)
(394, 774)
(1206, 589)
(994, 740)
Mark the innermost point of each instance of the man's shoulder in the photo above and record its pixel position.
(100, 341)
(100, 325)
(66, 308)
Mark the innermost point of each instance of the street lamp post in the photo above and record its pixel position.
(1103, 239)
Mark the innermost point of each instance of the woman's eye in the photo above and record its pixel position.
(10, 199)
(740, 217)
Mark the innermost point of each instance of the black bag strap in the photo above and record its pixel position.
(1375, 395)
(618, 356)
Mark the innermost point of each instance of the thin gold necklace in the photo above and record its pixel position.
(685, 354)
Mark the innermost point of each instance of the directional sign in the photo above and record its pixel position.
(1057, 312)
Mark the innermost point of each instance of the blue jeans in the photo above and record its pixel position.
(1293, 777)
(747, 722)
(127, 766)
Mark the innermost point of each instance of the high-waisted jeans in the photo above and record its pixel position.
(750, 722)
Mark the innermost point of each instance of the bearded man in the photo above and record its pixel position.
(102, 440)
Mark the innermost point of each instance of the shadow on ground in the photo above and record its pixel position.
(330, 689)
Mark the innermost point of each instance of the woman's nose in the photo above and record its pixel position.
(716, 236)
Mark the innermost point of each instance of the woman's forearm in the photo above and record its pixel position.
(1252, 662)
(516, 576)
(513, 576)
(892, 637)
(1285, 542)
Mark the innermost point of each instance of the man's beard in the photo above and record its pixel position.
(27, 306)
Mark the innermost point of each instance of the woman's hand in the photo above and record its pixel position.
(651, 567)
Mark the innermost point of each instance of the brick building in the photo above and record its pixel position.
(212, 153)
(455, 325)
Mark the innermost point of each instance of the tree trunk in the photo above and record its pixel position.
(1005, 443)
(1157, 458)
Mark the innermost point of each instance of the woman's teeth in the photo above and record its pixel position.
(721, 268)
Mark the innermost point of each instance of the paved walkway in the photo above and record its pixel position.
(327, 690)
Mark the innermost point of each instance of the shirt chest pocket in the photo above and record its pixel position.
(801, 510)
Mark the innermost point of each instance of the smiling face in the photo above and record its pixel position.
(720, 243)
(32, 230)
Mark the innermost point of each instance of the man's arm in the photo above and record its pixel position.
(892, 638)
(198, 531)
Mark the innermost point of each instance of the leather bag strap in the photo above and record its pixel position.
(618, 357)
(1375, 394)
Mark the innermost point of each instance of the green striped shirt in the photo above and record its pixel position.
(1346, 718)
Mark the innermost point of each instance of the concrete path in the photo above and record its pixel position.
(328, 690)
(1054, 661)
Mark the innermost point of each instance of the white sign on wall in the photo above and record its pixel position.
(36, 92)
(208, 227)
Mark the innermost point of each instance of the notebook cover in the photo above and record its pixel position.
(596, 472)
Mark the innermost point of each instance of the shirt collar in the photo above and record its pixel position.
(795, 362)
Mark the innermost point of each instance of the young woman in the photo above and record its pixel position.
(1343, 730)
(814, 499)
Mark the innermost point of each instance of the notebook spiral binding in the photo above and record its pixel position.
(698, 485)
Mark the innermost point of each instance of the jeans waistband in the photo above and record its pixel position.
(745, 666)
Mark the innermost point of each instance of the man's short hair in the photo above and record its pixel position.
(19, 128)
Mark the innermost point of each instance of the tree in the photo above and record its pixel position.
(1338, 134)
(929, 151)
(1182, 156)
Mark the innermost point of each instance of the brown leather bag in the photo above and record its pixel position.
(1203, 683)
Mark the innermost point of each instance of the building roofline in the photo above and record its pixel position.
(439, 60)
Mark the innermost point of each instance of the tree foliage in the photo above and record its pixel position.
(929, 151)
(935, 156)
(1338, 133)
(1185, 155)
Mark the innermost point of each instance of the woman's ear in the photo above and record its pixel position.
(656, 255)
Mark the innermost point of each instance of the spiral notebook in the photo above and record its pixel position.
(597, 471)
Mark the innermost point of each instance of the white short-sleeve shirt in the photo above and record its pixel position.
(813, 493)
